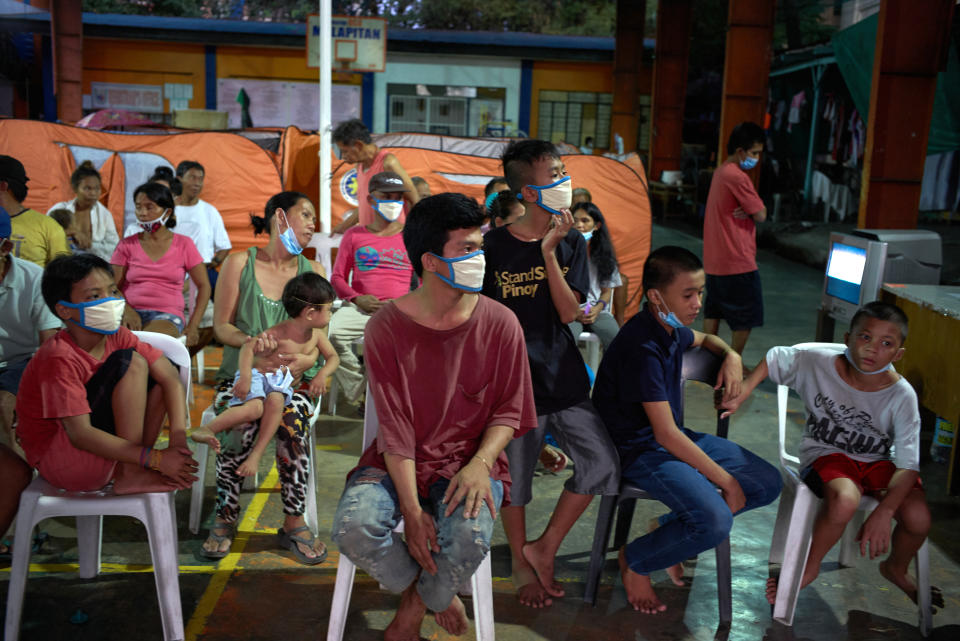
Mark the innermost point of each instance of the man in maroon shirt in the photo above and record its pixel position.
(730, 239)
(451, 386)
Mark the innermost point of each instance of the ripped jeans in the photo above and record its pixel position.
(368, 512)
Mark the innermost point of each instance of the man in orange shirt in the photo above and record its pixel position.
(730, 239)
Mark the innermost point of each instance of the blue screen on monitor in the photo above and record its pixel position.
(845, 272)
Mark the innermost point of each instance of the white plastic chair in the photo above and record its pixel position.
(481, 583)
(592, 342)
(794, 527)
(203, 451)
(155, 510)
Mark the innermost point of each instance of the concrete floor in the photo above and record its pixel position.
(259, 592)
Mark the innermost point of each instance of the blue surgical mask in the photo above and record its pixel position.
(669, 318)
(102, 316)
(288, 238)
(555, 196)
(466, 272)
(748, 163)
(854, 365)
(587, 235)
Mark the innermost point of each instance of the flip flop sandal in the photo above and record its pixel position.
(231, 535)
(289, 541)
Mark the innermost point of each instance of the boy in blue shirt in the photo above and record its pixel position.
(638, 394)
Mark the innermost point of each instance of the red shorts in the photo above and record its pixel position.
(871, 478)
(71, 468)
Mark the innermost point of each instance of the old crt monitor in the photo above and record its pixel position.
(860, 262)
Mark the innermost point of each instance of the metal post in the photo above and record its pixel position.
(817, 73)
(324, 130)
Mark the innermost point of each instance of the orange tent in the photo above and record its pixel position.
(241, 176)
(618, 189)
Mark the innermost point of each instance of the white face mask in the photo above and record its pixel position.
(466, 272)
(102, 316)
(389, 209)
(151, 226)
(555, 196)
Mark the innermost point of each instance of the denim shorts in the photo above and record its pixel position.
(11, 373)
(147, 315)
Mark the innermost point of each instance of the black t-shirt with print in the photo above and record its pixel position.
(516, 276)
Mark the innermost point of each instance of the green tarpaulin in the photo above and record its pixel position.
(853, 48)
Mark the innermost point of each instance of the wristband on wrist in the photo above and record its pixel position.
(484, 461)
(602, 302)
(144, 456)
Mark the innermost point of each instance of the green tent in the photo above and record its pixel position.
(853, 48)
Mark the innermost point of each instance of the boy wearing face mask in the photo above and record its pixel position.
(730, 239)
(93, 399)
(639, 395)
(537, 267)
(375, 256)
(862, 436)
(448, 400)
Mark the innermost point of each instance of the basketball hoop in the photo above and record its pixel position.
(344, 53)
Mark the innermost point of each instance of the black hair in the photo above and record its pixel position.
(489, 189)
(600, 245)
(176, 187)
(85, 170)
(744, 136)
(664, 263)
(63, 216)
(17, 188)
(160, 194)
(351, 131)
(519, 157)
(500, 207)
(65, 271)
(588, 140)
(881, 311)
(187, 165)
(164, 173)
(308, 289)
(430, 220)
(417, 180)
(284, 200)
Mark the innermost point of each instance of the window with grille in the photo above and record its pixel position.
(573, 116)
(445, 110)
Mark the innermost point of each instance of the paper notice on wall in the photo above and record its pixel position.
(275, 103)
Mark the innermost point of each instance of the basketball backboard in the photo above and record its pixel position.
(358, 43)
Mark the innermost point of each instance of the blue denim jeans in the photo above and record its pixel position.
(363, 528)
(699, 519)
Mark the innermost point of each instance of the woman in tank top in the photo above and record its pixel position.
(247, 303)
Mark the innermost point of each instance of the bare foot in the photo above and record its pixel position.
(772, 590)
(675, 572)
(406, 622)
(543, 566)
(906, 583)
(133, 479)
(529, 590)
(249, 467)
(640, 592)
(203, 434)
(454, 618)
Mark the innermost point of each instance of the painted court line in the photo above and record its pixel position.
(226, 566)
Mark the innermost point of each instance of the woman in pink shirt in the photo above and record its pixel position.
(150, 267)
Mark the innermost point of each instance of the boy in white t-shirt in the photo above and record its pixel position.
(862, 436)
